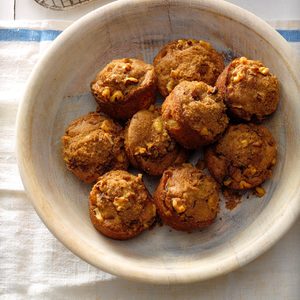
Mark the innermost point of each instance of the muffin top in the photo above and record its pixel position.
(147, 135)
(196, 108)
(121, 205)
(187, 60)
(121, 78)
(92, 145)
(250, 90)
(243, 157)
(187, 198)
(148, 144)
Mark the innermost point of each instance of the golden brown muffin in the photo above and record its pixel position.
(189, 60)
(148, 145)
(124, 86)
(92, 145)
(186, 198)
(250, 91)
(194, 114)
(120, 205)
(243, 158)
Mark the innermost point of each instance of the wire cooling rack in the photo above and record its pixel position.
(61, 4)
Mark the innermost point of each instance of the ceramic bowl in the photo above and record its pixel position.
(58, 91)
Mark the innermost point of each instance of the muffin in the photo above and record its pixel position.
(92, 145)
(120, 206)
(190, 60)
(243, 158)
(194, 114)
(148, 145)
(250, 91)
(186, 198)
(123, 87)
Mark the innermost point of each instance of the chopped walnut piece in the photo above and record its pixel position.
(257, 144)
(106, 125)
(131, 80)
(140, 150)
(260, 192)
(264, 70)
(158, 124)
(178, 205)
(172, 124)
(109, 138)
(106, 92)
(204, 131)
(244, 143)
(238, 77)
(121, 203)
(252, 170)
(117, 95)
(245, 184)
(170, 85)
(98, 214)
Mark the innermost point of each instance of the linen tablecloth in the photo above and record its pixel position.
(34, 265)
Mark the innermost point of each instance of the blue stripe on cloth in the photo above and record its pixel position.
(29, 35)
(290, 35)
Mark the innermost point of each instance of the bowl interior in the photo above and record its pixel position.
(60, 93)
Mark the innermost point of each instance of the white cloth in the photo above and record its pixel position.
(33, 264)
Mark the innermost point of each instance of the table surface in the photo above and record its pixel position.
(28, 9)
(274, 275)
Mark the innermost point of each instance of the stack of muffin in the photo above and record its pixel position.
(205, 106)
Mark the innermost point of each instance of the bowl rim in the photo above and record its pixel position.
(130, 271)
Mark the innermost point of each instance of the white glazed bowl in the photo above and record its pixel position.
(58, 91)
